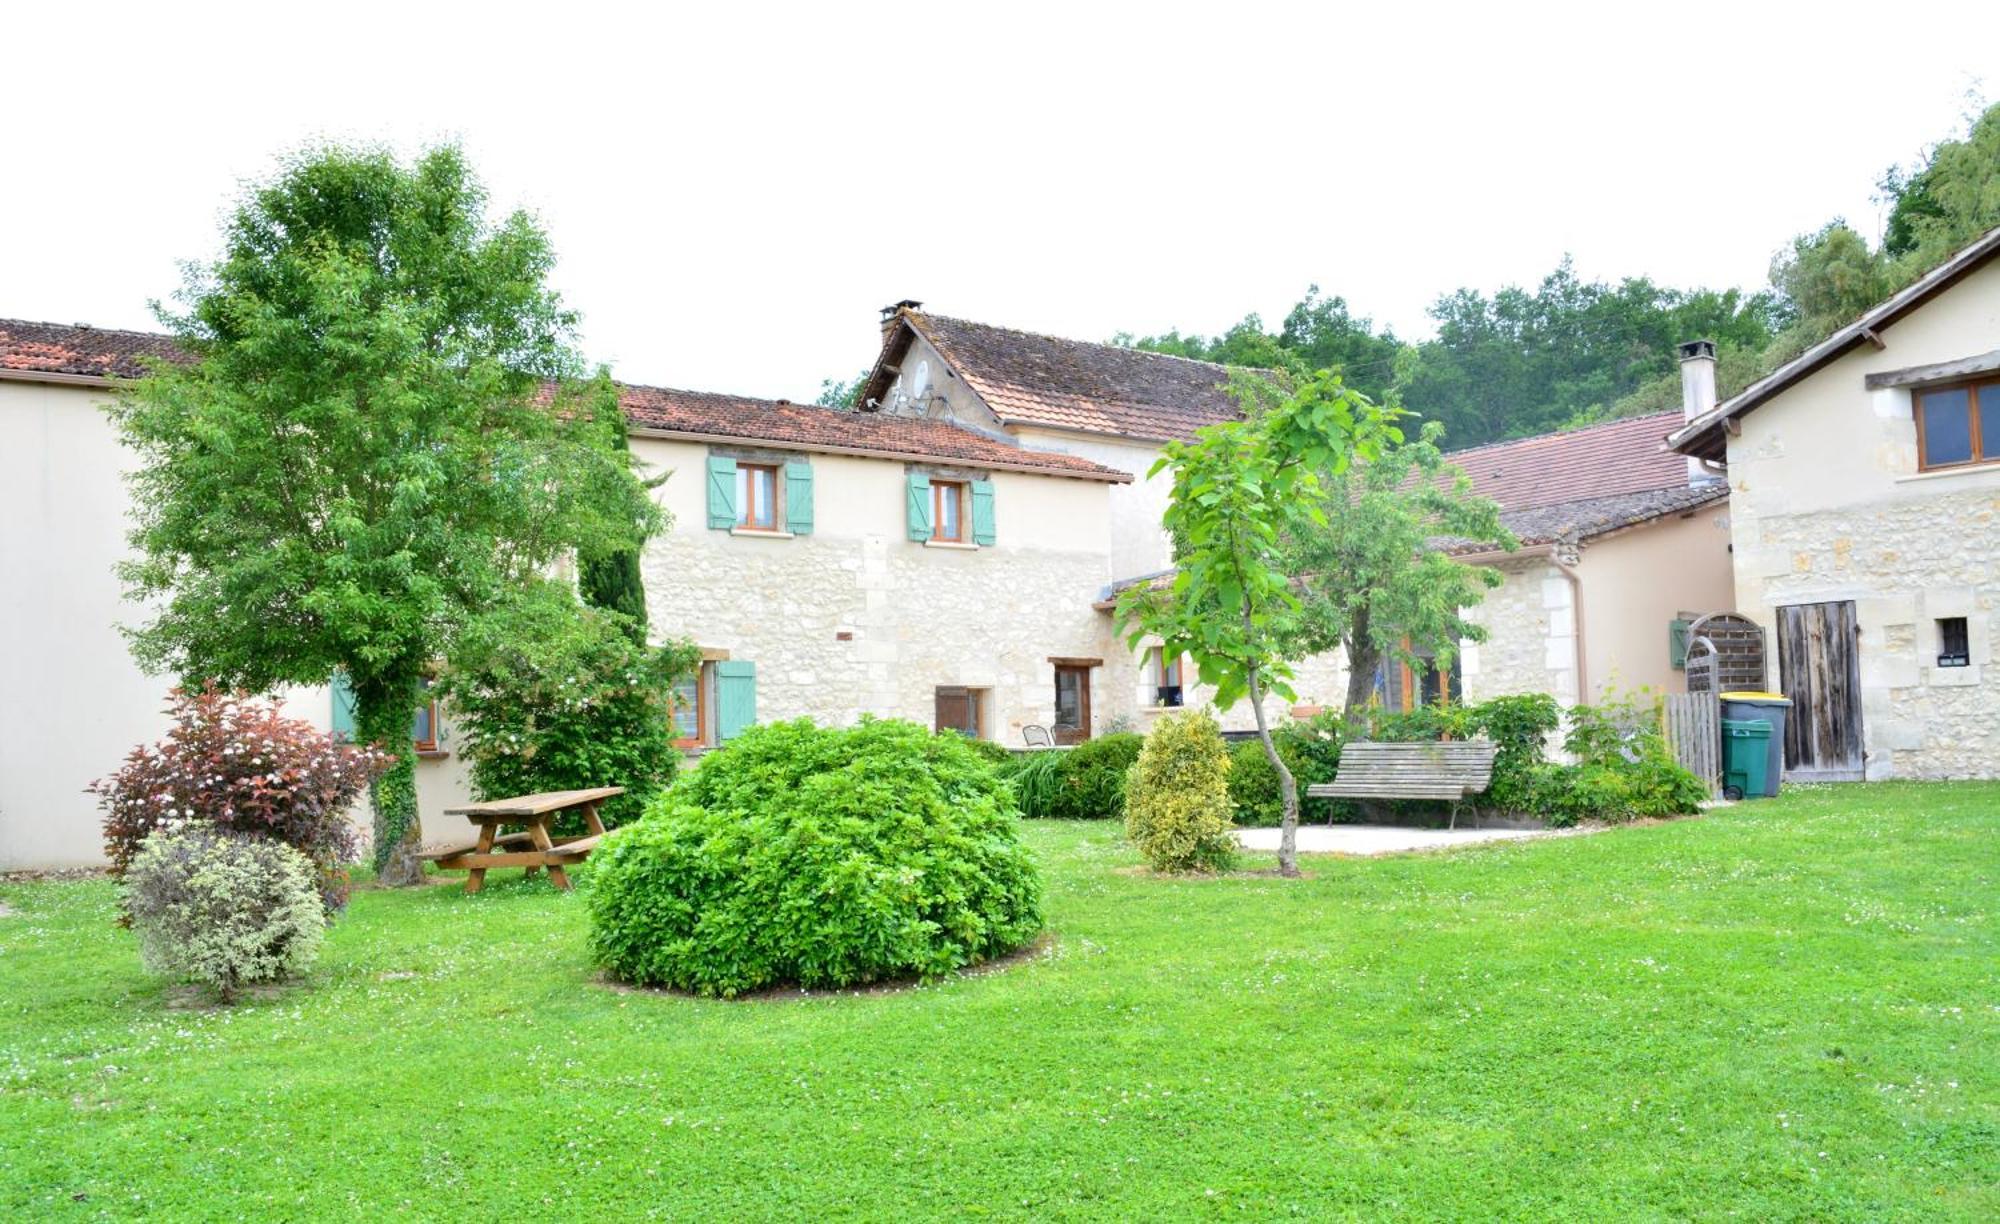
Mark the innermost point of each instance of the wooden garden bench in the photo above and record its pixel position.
(537, 812)
(1450, 772)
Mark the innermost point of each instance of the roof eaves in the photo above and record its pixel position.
(1700, 435)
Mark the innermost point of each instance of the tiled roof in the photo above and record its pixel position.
(707, 414)
(1596, 516)
(95, 352)
(1617, 457)
(79, 349)
(1071, 384)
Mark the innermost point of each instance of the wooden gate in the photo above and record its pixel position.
(1693, 726)
(1819, 669)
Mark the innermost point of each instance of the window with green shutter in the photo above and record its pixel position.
(799, 497)
(342, 723)
(735, 697)
(982, 512)
(721, 492)
(919, 496)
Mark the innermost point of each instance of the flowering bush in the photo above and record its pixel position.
(547, 694)
(239, 763)
(223, 908)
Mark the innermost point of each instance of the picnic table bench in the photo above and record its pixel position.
(1433, 770)
(537, 812)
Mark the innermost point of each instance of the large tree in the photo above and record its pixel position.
(364, 448)
(1372, 581)
(1236, 485)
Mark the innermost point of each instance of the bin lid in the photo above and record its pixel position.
(1767, 698)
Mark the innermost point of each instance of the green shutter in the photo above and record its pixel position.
(735, 697)
(920, 506)
(343, 706)
(799, 497)
(1677, 644)
(982, 512)
(721, 492)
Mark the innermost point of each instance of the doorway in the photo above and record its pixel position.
(1072, 725)
(1820, 670)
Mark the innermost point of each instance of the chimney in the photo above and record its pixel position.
(1697, 396)
(891, 313)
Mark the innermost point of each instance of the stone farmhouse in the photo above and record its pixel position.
(948, 551)
(1865, 507)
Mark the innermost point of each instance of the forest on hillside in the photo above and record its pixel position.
(1570, 352)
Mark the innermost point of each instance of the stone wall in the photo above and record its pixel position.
(1530, 621)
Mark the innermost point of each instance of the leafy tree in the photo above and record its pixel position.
(836, 394)
(1371, 583)
(1827, 278)
(1524, 362)
(1236, 485)
(364, 450)
(1951, 199)
(550, 694)
(613, 581)
(1317, 333)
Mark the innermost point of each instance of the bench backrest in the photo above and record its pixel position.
(1431, 770)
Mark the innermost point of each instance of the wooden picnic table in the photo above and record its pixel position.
(536, 812)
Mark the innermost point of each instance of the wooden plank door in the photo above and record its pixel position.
(1072, 704)
(1819, 669)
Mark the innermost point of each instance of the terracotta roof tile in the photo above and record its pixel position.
(1073, 384)
(68, 350)
(78, 349)
(1627, 456)
(812, 428)
(1589, 518)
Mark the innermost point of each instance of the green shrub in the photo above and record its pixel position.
(1177, 801)
(987, 750)
(815, 856)
(1091, 783)
(1519, 726)
(1035, 776)
(1310, 748)
(223, 908)
(547, 694)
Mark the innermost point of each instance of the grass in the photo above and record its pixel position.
(1784, 1010)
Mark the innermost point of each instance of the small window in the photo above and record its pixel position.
(948, 511)
(757, 496)
(1166, 677)
(424, 727)
(690, 709)
(1954, 642)
(958, 710)
(1958, 425)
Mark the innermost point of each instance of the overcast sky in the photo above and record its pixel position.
(733, 194)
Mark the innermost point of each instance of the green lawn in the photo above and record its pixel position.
(1783, 1010)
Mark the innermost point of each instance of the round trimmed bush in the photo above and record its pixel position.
(223, 908)
(817, 857)
(1090, 784)
(1177, 802)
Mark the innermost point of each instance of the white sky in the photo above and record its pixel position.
(733, 194)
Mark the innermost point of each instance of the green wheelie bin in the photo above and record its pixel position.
(1746, 757)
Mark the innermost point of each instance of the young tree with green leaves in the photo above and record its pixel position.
(364, 449)
(1370, 581)
(1237, 486)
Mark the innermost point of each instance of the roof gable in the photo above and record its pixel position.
(1705, 436)
(1031, 379)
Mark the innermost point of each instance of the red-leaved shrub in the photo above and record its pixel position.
(239, 763)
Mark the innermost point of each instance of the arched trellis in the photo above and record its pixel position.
(1725, 653)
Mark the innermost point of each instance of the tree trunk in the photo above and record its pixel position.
(1288, 829)
(383, 711)
(1362, 660)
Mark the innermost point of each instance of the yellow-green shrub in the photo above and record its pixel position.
(1177, 797)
